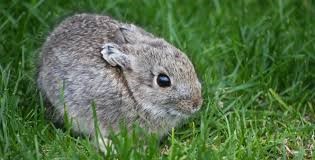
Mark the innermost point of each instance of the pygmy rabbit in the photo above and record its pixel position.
(127, 73)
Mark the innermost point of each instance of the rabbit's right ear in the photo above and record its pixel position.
(115, 57)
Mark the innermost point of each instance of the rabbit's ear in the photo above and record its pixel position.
(115, 57)
(122, 35)
(119, 36)
(130, 33)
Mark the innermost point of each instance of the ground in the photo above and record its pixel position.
(256, 61)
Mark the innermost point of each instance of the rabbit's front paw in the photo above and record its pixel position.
(105, 145)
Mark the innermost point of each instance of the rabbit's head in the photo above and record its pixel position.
(160, 78)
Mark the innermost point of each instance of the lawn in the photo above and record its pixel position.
(256, 61)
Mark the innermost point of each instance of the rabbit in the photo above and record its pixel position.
(128, 74)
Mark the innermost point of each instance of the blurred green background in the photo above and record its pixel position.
(256, 61)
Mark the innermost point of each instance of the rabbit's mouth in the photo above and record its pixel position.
(176, 113)
(167, 111)
(182, 108)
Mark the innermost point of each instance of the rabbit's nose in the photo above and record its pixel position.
(196, 104)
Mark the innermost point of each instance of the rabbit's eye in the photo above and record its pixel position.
(163, 80)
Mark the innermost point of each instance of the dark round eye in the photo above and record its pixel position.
(163, 80)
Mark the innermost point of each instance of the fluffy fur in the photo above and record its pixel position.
(75, 72)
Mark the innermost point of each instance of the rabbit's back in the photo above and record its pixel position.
(72, 73)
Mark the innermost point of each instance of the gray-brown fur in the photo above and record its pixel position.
(73, 74)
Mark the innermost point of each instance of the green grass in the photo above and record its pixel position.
(256, 60)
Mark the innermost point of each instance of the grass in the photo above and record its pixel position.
(256, 60)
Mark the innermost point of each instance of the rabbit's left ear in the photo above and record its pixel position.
(131, 34)
(115, 57)
(121, 35)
